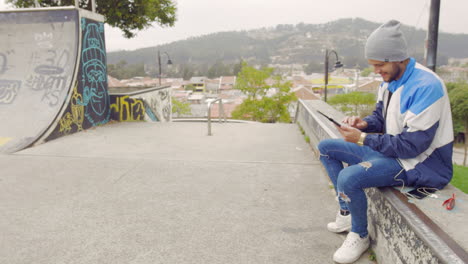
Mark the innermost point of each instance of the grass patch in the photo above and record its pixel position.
(306, 137)
(460, 178)
(372, 256)
(301, 129)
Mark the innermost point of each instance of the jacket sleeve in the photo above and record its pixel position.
(375, 122)
(404, 145)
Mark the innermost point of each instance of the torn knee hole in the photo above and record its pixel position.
(323, 155)
(366, 164)
(344, 197)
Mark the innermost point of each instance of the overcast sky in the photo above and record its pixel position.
(200, 17)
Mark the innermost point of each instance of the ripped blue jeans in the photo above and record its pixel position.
(366, 168)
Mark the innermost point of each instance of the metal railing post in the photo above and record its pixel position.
(221, 112)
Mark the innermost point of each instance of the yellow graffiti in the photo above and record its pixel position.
(128, 109)
(4, 140)
(77, 113)
(65, 123)
(77, 108)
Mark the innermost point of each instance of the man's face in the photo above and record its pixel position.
(389, 71)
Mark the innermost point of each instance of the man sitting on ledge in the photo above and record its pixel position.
(409, 143)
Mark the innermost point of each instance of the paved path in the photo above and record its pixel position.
(167, 193)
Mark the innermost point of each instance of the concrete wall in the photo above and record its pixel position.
(151, 104)
(402, 230)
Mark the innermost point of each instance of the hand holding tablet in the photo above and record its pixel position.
(329, 118)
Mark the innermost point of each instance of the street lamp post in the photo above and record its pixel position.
(433, 35)
(338, 64)
(169, 62)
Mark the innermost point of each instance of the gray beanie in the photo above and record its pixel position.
(387, 43)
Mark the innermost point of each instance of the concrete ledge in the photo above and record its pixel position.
(132, 91)
(141, 104)
(402, 233)
(402, 230)
(214, 120)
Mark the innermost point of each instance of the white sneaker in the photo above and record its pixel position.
(342, 223)
(352, 248)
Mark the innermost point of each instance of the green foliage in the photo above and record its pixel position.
(306, 137)
(219, 69)
(366, 72)
(372, 256)
(258, 106)
(180, 108)
(354, 103)
(186, 72)
(265, 110)
(122, 70)
(236, 68)
(458, 93)
(460, 179)
(301, 129)
(189, 87)
(128, 15)
(252, 82)
(313, 66)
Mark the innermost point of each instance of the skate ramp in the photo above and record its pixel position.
(38, 53)
(52, 75)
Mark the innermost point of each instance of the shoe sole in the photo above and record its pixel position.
(349, 261)
(341, 230)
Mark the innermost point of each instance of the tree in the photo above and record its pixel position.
(128, 15)
(187, 71)
(458, 94)
(258, 106)
(122, 70)
(189, 87)
(218, 69)
(237, 68)
(313, 66)
(180, 108)
(366, 72)
(354, 103)
(252, 82)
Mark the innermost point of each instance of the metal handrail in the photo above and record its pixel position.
(221, 112)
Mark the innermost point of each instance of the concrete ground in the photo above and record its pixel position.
(168, 193)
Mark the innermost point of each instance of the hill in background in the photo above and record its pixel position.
(289, 44)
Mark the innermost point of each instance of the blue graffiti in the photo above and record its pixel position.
(94, 74)
(150, 113)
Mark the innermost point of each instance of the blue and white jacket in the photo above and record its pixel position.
(416, 128)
